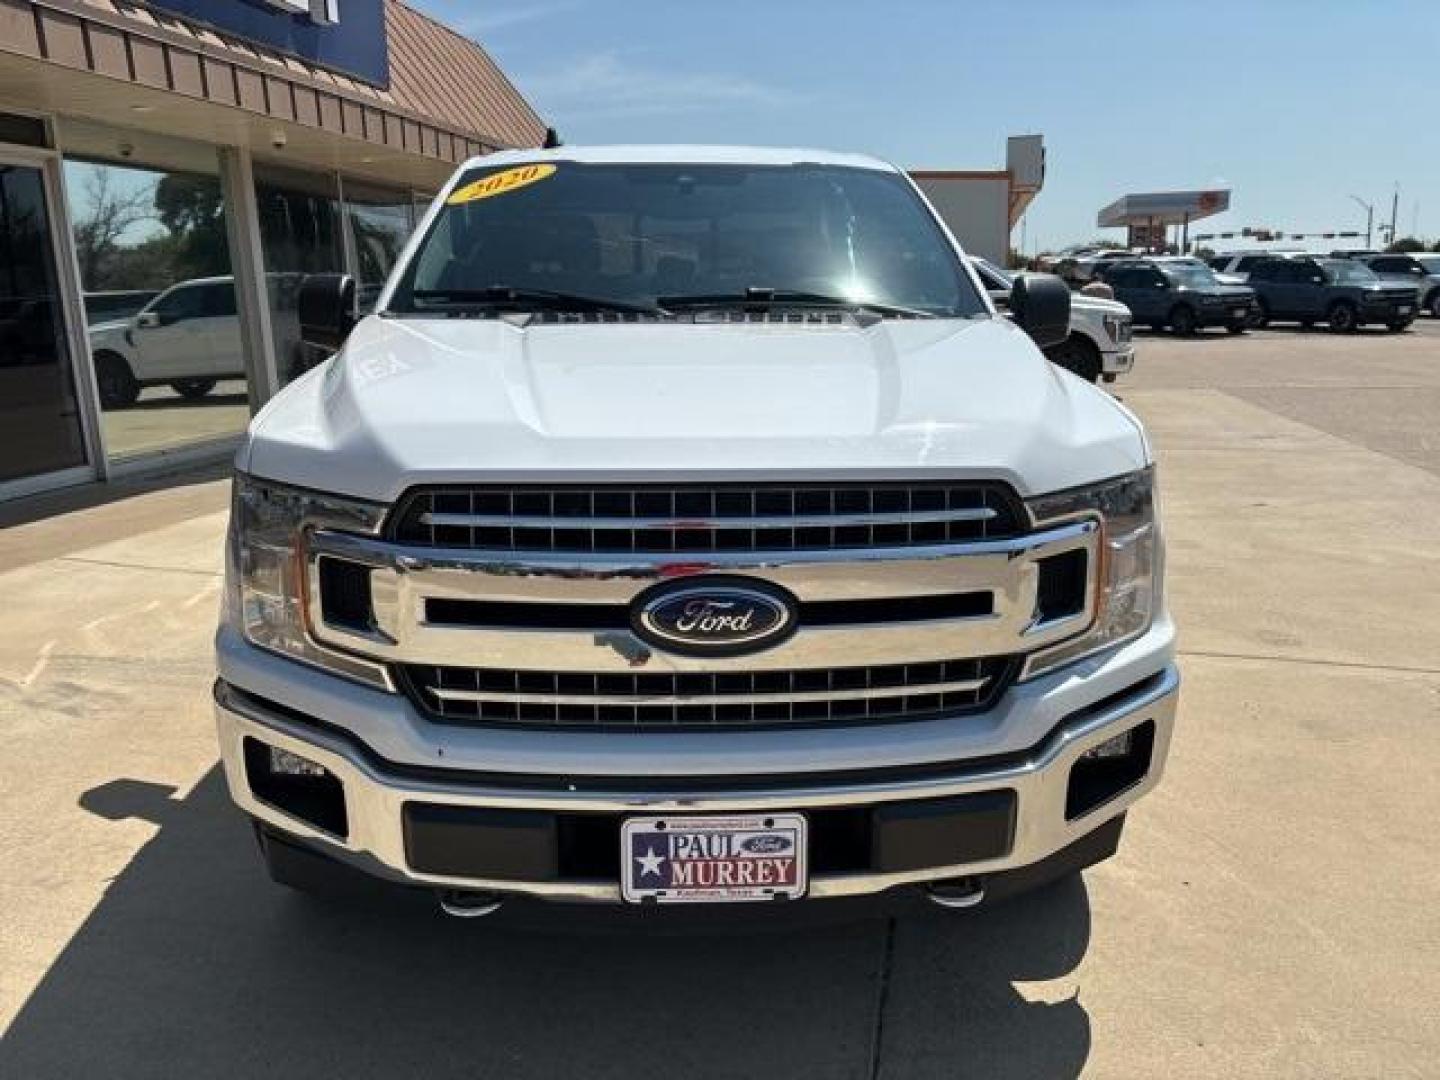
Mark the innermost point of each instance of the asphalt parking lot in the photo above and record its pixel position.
(1272, 912)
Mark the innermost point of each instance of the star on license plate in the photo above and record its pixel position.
(676, 860)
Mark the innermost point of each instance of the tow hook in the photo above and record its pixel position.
(468, 905)
(965, 892)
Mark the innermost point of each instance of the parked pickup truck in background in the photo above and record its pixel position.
(1099, 344)
(1344, 293)
(685, 526)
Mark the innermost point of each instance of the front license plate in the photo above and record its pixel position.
(1403, 310)
(678, 860)
(1240, 312)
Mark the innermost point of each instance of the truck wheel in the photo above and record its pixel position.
(1433, 304)
(1342, 318)
(1182, 320)
(192, 389)
(1079, 356)
(118, 386)
(1258, 317)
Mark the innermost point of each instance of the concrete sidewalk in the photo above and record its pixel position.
(1272, 912)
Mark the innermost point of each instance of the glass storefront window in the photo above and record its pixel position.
(299, 234)
(160, 302)
(380, 221)
(40, 428)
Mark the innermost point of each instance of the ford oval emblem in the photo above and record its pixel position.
(767, 844)
(713, 617)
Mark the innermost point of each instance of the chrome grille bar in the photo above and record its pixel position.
(721, 517)
(679, 700)
(953, 686)
(477, 521)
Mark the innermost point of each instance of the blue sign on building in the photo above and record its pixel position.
(347, 36)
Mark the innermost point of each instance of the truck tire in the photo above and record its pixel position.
(1432, 304)
(1342, 317)
(119, 389)
(1079, 356)
(1182, 320)
(192, 389)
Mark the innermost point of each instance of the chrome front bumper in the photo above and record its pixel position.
(375, 796)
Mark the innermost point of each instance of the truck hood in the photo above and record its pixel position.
(1099, 305)
(412, 401)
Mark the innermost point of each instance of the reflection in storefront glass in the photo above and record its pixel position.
(299, 234)
(160, 304)
(380, 222)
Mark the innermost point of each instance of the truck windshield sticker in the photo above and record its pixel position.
(500, 183)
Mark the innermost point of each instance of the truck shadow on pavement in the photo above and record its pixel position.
(194, 964)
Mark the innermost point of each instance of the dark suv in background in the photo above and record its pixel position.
(1344, 293)
(1421, 270)
(1181, 294)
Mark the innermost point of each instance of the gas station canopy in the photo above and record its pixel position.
(1147, 217)
(1164, 208)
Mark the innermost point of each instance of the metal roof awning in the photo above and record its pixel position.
(1163, 208)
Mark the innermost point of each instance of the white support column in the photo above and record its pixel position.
(242, 227)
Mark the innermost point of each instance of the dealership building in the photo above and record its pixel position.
(169, 172)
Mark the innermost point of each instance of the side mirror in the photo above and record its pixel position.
(147, 320)
(1000, 298)
(1041, 303)
(326, 308)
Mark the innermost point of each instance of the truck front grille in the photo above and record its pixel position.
(701, 700)
(706, 518)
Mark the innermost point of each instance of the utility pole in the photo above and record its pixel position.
(1369, 209)
(1394, 211)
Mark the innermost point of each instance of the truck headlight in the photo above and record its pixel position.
(1131, 553)
(266, 593)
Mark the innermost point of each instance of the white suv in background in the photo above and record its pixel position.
(1099, 345)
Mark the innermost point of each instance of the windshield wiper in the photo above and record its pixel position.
(520, 298)
(765, 297)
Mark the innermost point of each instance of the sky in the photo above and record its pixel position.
(1293, 104)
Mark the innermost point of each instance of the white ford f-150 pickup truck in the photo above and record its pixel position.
(685, 526)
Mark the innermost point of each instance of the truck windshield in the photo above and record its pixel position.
(659, 238)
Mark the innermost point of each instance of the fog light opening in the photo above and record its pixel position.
(294, 785)
(1109, 769)
(285, 763)
(1118, 747)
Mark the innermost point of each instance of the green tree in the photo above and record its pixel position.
(108, 213)
(192, 208)
(1406, 244)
